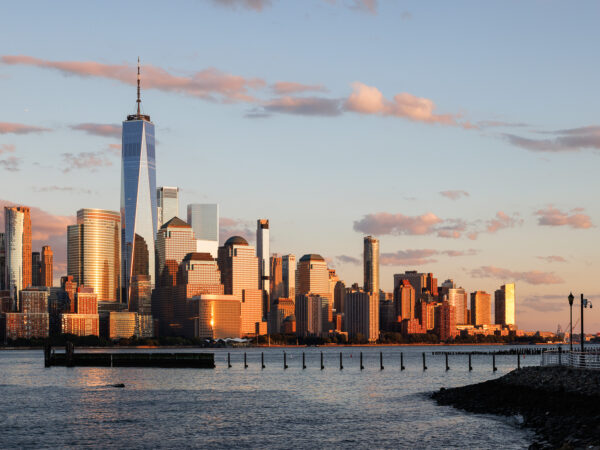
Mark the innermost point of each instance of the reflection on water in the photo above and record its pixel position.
(252, 407)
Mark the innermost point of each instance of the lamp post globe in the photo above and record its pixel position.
(571, 298)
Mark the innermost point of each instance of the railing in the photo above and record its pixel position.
(580, 360)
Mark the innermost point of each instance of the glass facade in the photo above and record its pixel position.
(204, 219)
(167, 199)
(371, 264)
(138, 199)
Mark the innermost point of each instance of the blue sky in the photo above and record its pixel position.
(496, 72)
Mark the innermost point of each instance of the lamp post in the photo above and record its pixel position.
(571, 298)
(584, 304)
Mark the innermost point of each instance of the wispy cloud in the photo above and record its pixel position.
(551, 216)
(419, 257)
(19, 128)
(229, 227)
(253, 5)
(569, 140)
(502, 221)
(454, 195)
(368, 6)
(85, 160)
(99, 129)
(12, 163)
(304, 106)
(289, 87)
(552, 259)
(65, 189)
(505, 275)
(7, 148)
(347, 259)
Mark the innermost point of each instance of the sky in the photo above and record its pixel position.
(464, 135)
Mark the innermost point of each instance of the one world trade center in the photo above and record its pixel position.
(138, 197)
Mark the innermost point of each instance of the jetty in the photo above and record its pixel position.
(70, 358)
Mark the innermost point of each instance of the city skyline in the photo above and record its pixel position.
(509, 230)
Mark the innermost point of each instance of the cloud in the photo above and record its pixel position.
(305, 106)
(346, 259)
(397, 224)
(236, 227)
(70, 189)
(551, 216)
(209, 84)
(408, 257)
(406, 15)
(501, 221)
(85, 160)
(114, 149)
(19, 128)
(288, 87)
(545, 303)
(12, 163)
(369, 100)
(368, 6)
(452, 228)
(499, 123)
(454, 195)
(253, 5)
(530, 277)
(99, 129)
(7, 148)
(552, 259)
(455, 253)
(568, 140)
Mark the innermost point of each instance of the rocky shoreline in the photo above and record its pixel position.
(561, 404)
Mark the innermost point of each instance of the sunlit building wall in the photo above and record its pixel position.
(174, 240)
(47, 263)
(362, 315)
(288, 268)
(94, 252)
(17, 235)
(457, 297)
(167, 200)
(215, 317)
(481, 308)
(371, 264)
(309, 314)
(122, 324)
(505, 305)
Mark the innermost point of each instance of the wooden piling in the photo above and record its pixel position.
(229, 360)
(494, 368)
(470, 366)
(262, 360)
(424, 364)
(447, 366)
(303, 361)
(361, 362)
(341, 364)
(245, 362)
(285, 366)
(381, 361)
(322, 365)
(402, 361)
(518, 361)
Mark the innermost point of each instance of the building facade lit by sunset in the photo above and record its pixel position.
(174, 240)
(263, 252)
(288, 274)
(94, 252)
(46, 269)
(18, 255)
(481, 308)
(371, 264)
(138, 196)
(215, 316)
(312, 277)
(504, 305)
(362, 315)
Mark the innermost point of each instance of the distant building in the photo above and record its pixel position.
(46, 270)
(431, 285)
(276, 278)
(288, 268)
(405, 300)
(312, 277)
(204, 219)
(263, 252)
(458, 298)
(17, 238)
(2, 263)
(371, 264)
(215, 317)
(417, 280)
(504, 305)
(445, 321)
(174, 241)
(280, 310)
(36, 269)
(309, 314)
(167, 201)
(84, 320)
(94, 252)
(122, 324)
(362, 315)
(32, 320)
(481, 308)
(339, 297)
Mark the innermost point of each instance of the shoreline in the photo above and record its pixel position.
(561, 404)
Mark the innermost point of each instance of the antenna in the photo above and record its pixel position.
(138, 88)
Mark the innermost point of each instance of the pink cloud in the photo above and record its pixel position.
(551, 216)
(501, 221)
(289, 87)
(99, 129)
(408, 257)
(85, 160)
(347, 259)
(229, 227)
(209, 84)
(306, 106)
(7, 148)
(255, 5)
(369, 100)
(19, 128)
(454, 195)
(506, 275)
(12, 163)
(386, 223)
(369, 6)
(552, 259)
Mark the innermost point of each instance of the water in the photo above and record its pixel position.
(237, 407)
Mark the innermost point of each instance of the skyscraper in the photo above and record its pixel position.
(167, 199)
(204, 219)
(276, 278)
(312, 277)
(481, 308)
(416, 279)
(94, 252)
(405, 299)
(362, 315)
(17, 236)
(138, 195)
(2, 263)
(262, 251)
(504, 305)
(288, 267)
(174, 241)
(46, 272)
(36, 269)
(371, 264)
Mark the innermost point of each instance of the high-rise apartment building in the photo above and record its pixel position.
(174, 241)
(138, 196)
(431, 285)
(405, 300)
(312, 277)
(167, 201)
(239, 267)
(204, 219)
(288, 268)
(262, 252)
(94, 252)
(362, 315)
(47, 263)
(504, 305)
(17, 236)
(416, 279)
(276, 278)
(445, 321)
(458, 298)
(371, 264)
(2, 263)
(309, 314)
(481, 308)
(36, 269)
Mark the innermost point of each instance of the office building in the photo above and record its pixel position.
(174, 241)
(204, 219)
(504, 305)
(84, 319)
(36, 269)
(214, 317)
(239, 267)
(138, 200)
(276, 278)
(431, 285)
(122, 324)
(445, 321)
(167, 201)
(457, 298)
(481, 308)
(2, 263)
(309, 314)
(141, 295)
(94, 253)
(32, 320)
(17, 237)
(371, 264)
(339, 297)
(405, 300)
(417, 280)
(280, 310)
(312, 277)
(288, 273)
(46, 270)
(262, 252)
(362, 315)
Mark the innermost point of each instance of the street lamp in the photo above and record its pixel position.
(584, 304)
(571, 298)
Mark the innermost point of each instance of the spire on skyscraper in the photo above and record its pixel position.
(138, 115)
